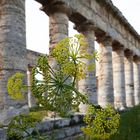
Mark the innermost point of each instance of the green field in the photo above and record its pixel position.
(129, 125)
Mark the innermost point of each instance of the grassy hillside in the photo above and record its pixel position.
(129, 125)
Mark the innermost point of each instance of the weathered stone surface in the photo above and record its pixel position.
(31, 98)
(129, 79)
(7, 114)
(58, 128)
(32, 57)
(105, 75)
(12, 52)
(61, 128)
(3, 134)
(87, 85)
(58, 26)
(119, 77)
(136, 69)
(50, 123)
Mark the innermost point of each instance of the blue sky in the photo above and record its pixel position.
(37, 22)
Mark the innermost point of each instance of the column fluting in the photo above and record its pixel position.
(129, 79)
(105, 77)
(118, 77)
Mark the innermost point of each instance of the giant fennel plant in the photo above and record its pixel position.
(57, 90)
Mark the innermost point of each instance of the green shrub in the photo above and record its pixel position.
(23, 126)
(101, 123)
(57, 90)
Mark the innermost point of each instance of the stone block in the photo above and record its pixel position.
(3, 134)
(101, 23)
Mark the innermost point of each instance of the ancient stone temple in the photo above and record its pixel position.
(118, 74)
(119, 53)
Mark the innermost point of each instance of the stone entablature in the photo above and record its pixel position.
(104, 16)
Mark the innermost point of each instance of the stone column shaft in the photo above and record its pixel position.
(105, 77)
(118, 77)
(87, 85)
(12, 54)
(129, 80)
(58, 27)
(58, 13)
(31, 98)
(136, 65)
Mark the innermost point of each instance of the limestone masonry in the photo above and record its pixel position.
(118, 75)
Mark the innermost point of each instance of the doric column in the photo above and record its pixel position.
(136, 68)
(58, 26)
(118, 77)
(105, 77)
(31, 98)
(129, 81)
(12, 54)
(88, 84)
(58, 14)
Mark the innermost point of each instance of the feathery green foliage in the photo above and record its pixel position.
(57, 90)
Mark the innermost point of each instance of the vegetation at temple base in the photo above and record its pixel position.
(15, 86)
(56, 91)
(101, 123)
(24, 127)
(129, 128)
